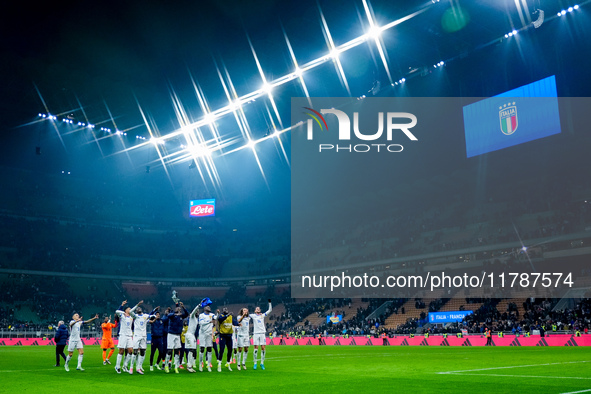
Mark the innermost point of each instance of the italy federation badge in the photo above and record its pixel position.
(508, 118)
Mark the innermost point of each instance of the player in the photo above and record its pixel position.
(191, 341)
(157, 340)
(234, 341)
(125, 344)
(258, 334)
(175, 328)
(243, 332)
(165, 337)
(226, 324)
(75, 341)
(107, 340)
(206, 336)
(140, 337)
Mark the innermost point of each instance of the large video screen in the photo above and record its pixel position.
(520, 115)
(200, 208)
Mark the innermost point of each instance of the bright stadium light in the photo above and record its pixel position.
(209, 118)
(267, 88)
(570, 9)
(576, 7)
(374, 32)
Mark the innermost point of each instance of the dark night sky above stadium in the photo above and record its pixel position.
(110, 58)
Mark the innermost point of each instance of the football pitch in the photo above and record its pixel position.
(401, 369)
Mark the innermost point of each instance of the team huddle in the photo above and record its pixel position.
(167, 328)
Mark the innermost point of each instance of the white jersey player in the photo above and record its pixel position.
(191, 341)
(140, 336)
(125, 336)
(75, 342)
(206, 320)
(258, 333)
(243, 337)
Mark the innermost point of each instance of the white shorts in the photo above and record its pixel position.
(173, 341)
(125, 343)
(243, 341)
(190, 341)
(234, 342)
(75, 344)
(140, 343)
(205, 341)
(259, 339)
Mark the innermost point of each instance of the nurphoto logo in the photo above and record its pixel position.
(393, 125)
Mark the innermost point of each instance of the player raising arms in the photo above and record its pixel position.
(206, 336)
(125, 336)
(175, 328)
(107, 340)
(75, 341)
(243, 332)
(140, 337)
(191, 341)
(258, 335)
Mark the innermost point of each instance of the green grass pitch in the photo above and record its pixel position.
(398, 369)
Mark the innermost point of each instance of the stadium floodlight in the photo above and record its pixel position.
(514, 32)
(559, 14)
(576, 7)
(235, 104)
(563, 12)
(267, 88)
(374, 32)
(570, 9)
(209, 118)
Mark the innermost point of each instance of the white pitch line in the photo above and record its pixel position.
(521, 376)
(510, 367)
(575, 392)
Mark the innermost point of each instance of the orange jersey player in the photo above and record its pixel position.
(107, 341)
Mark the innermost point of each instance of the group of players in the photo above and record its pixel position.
(167, 327)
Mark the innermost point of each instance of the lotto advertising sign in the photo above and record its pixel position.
(201, 208)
